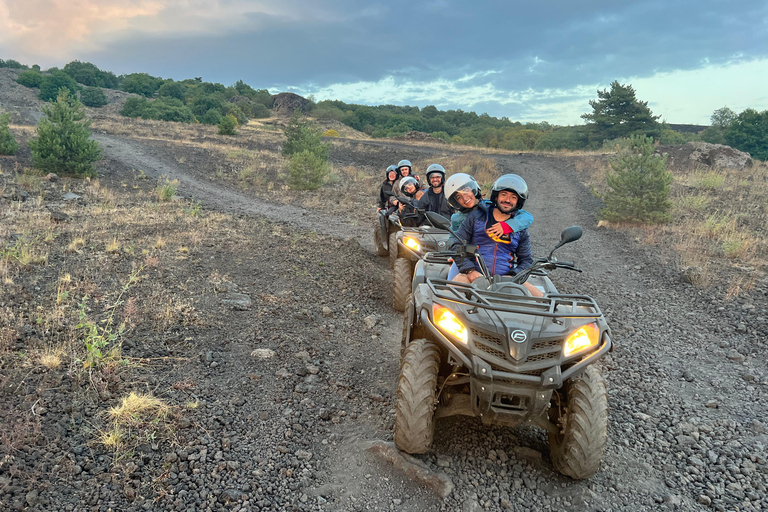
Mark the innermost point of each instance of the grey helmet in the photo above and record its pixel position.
(409, 180)
(405, 163)
(390, 169)
(460, 182)
(513, 183)
(436, 168)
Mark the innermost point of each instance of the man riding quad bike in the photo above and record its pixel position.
(494, 351)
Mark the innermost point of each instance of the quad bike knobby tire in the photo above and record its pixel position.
(582, 417)
(377, 242)
(394, 250)
(417, 397)
(402, 282)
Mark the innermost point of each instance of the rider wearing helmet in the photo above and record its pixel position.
(385, 191)
(434, 199)
(463, 195)
(505, 251)
(409, 216)
(405, 169)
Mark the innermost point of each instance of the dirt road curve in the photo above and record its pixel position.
(688, 382)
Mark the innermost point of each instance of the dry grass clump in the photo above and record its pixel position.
(51, 357)
(139, 418)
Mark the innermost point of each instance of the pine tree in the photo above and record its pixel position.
(63, 144)
(8, 144)
(618, 113)
(638, 185)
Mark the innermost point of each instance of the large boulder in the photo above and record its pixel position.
(695, 154)
(286, 103)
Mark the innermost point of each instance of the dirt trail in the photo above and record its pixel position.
(154, 163)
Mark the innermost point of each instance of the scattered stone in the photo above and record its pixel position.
(692, 274)
(712, 404)
(238, 301)
(184, 422)
(263, 353)
(70, 196)
(57, 216)
(705, 500)
(303, 355)
(238, 401)
(327, 311)
(51, 177)
(230, 495)
(263, 415)
(304, 455)
(370, 321)
(736, 356)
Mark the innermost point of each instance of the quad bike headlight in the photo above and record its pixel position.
(411, 243)
(449, 323)
(581, 339)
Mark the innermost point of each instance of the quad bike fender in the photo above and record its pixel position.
(419, 275)
(384, 230)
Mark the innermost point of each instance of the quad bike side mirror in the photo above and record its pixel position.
(439, 221)
(568, 235)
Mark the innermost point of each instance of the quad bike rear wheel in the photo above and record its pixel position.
(580, 411)
(417, 397)
(394, 250)
(378, 243)
(402, 282)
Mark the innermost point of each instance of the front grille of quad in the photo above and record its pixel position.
(493, 344)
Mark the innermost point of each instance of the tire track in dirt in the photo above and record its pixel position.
(138, 156)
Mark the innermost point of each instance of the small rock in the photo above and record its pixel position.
(370, 321)
(263, 353)
(70, 196)
(735, 356)
(238, 401)
(691, 275)
(32, 498)
(314, 370)
(327, 311)
(712, 404)
(705, 500)
(184, 423)
(229, 496)
(52, 177)
(304, 455)
(263, 415)
(747, 377)
(303, 355)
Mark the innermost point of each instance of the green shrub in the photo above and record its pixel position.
(168, 109)
(202, 103)
(141, 83)
(63, 144)
(30, 78)
(93, 97)
(227, 125)
(173, 89)
(51, 84)
(88, 74)
(213, 116)
(134, 107)
(8, 144)
(233, 110)
(259, 111)
(638, 185)
(330, 133)
(307, 171)
(13, 64)
(301, 136)
(568, 137)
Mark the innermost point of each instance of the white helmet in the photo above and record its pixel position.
(460, 182)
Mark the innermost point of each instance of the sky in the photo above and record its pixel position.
(530, 61)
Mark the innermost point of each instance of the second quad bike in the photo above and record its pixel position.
(492, 350)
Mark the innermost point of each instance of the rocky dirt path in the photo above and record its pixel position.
(687, 381)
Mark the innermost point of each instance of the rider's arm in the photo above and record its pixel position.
(523, 252)
(522, 220)
(465, 233)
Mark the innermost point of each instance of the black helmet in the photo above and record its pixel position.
(405, 163)
(512, 183)
(390, 169)
(460, 182)
(436, 168)
(409, 180)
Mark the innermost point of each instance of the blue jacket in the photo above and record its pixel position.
(500, 258)
(521, 220)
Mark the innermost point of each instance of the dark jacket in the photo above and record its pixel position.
(500, 258)
(385, 192)
(437, 203)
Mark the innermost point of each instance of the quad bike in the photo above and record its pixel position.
(492, 350)
(413, 244)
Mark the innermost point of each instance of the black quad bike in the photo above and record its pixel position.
(492, 350)
(413, 244)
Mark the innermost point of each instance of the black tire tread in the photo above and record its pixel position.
(583, 444)
(402, 283)
(394, 250)
(416, 397)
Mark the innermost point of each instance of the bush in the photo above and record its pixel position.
(51, 84)
(173, 89)
(13, 64)
(749, 132)
(569, 137)
(93, 97)
(168, 109)
(301, 136)
(259, 111)
(63, 144)
(141, 83)
(227, 125)
(30, 78)
(307, 171)
(8, 144)
(88, 74)
(233, 110)
(134, 107)
(638, 185)
(213, 116)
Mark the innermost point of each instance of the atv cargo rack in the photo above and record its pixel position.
(502, 299)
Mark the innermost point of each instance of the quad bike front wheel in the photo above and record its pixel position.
(402, 282)
(394, 250)
(580, 412)
(378, 243)
(417, 397)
